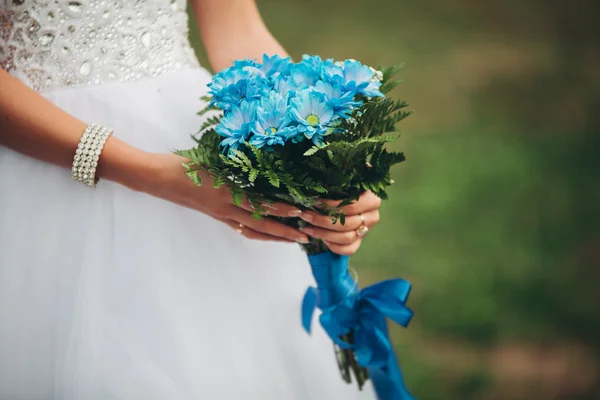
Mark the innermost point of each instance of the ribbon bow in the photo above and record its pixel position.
(364, 313)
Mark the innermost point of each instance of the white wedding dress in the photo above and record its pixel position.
(111, 294)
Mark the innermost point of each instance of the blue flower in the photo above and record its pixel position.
(240, 64)
(253, 72)
(271, 126)
(340, 101)
(310, 109)
(273, 66)
(316, 64)
(231, 86)
(302, 76)
(308, 71)
(355, 77)
(285, 86)
(221, 80)
(235, 125)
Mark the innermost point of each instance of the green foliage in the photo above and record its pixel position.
(387, 85)
(210, 122)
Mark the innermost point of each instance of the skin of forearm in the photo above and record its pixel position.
(32, 125)
(233, 30)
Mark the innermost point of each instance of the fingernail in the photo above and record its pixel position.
(295, 213)
(303, 239)
(308, 231)
(307, 217)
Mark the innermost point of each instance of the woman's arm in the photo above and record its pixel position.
(32, 125)
(233, 30)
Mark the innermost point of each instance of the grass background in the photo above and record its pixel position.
(495, 216)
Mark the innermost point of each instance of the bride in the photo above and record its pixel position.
(142, 288)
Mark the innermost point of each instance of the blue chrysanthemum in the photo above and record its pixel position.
(310, 109)
(285, 86)
(303, 76)
(235, 125)
(240, 64)
(274, 66)
(231, 86)
(355, 77)
(317, 65)
(271, 126)
(221, 80)
(342, 102)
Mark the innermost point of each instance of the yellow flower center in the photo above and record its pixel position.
(271, 130)
(312, 119)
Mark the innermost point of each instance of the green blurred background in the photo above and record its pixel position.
(494, 217)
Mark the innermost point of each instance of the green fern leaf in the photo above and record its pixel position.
(193, 175)
(238, 197)
(253, 175)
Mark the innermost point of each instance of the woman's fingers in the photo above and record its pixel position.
(330, 236)
(282, 210)
(344, 250)
(353, 222)
(366, 202)
(275, 209)
(346, 236)
(252, 234)
(268, 226)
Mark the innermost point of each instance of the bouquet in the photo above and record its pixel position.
(298, 133)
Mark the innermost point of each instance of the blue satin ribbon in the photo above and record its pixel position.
(345, 308)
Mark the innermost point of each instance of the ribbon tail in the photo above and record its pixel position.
(309, 303)
(389, 381)
(384, 368)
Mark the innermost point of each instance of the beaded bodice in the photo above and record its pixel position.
(51, 44)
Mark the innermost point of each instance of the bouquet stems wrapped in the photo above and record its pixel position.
(289, 132)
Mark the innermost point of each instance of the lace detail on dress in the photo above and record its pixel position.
(51, 44)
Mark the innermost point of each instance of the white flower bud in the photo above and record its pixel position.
(377, 75)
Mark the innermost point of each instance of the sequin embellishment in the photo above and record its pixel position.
(51, 44)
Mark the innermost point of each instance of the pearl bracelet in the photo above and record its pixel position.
(87, 154)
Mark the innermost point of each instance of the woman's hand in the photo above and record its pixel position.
(166, 179)
(344, 239)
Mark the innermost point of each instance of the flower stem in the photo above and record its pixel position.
(361, 374)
